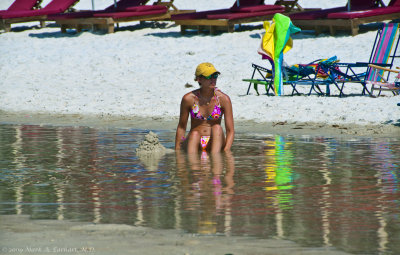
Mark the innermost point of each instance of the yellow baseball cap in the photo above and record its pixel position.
(205, 69)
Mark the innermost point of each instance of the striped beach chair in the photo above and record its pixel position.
(383, 54)
(383, 50)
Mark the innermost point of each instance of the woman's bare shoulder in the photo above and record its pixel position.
(189, 96)
(222, 95)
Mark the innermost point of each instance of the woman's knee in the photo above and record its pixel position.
(193, 142)
(216, 130)
(217, 138)
(194, 135)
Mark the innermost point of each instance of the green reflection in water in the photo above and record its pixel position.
(279, 175)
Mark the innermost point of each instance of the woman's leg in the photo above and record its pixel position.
(193, 142)
(217, 138)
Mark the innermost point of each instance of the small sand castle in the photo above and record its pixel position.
(150, 150)
(150, 145)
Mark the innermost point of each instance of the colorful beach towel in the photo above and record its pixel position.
(277, 41)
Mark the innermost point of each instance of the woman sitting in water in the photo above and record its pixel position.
(206, 106)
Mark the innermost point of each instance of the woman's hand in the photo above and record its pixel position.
(183, 119)
(229, 123)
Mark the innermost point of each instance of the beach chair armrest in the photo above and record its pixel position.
(260, 68)
(384, 68)
(357, 64)
(360, 64)
(256, 81)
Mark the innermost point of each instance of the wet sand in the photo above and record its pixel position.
(20, 235)
(151, 123)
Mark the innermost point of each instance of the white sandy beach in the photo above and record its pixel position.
(141, 71)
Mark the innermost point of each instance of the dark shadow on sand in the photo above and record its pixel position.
(395, 123)
(126, 27)
(24, 28)
(194, 33)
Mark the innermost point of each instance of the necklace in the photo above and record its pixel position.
(207, 100)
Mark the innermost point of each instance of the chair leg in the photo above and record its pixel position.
(63, 28)
(311, 89)
(213, 30)
(267, 88)
(252, 76)
(271, 87)
(340, 88)
(183, 29)
(110, 28)
(319, 89)
(328, 90)
(256, 88)
(365, 89)
(294, 89)
(6, 27)
(332, 30)
(314, 87)
(317, 30)
(372, 90)
(354, 28)
(354, 31)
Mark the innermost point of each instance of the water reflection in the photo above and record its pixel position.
(207, 188)
(317, 191)
(279, 177)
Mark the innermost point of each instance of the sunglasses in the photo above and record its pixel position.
(212, 76)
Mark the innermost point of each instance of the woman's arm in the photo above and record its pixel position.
(183, 119)
(229, 124)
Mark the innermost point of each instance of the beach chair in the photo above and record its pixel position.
(121, 5)
(248, 11)
(290, 5)
(380, 82)
(313, 75)
(292, 75)
(23, 5)
(86, 19)
(348, 17)
(122, 11)
(55, 6)
(328, 73)
(383, 54)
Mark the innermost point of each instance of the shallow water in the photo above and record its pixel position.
(316, 191)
